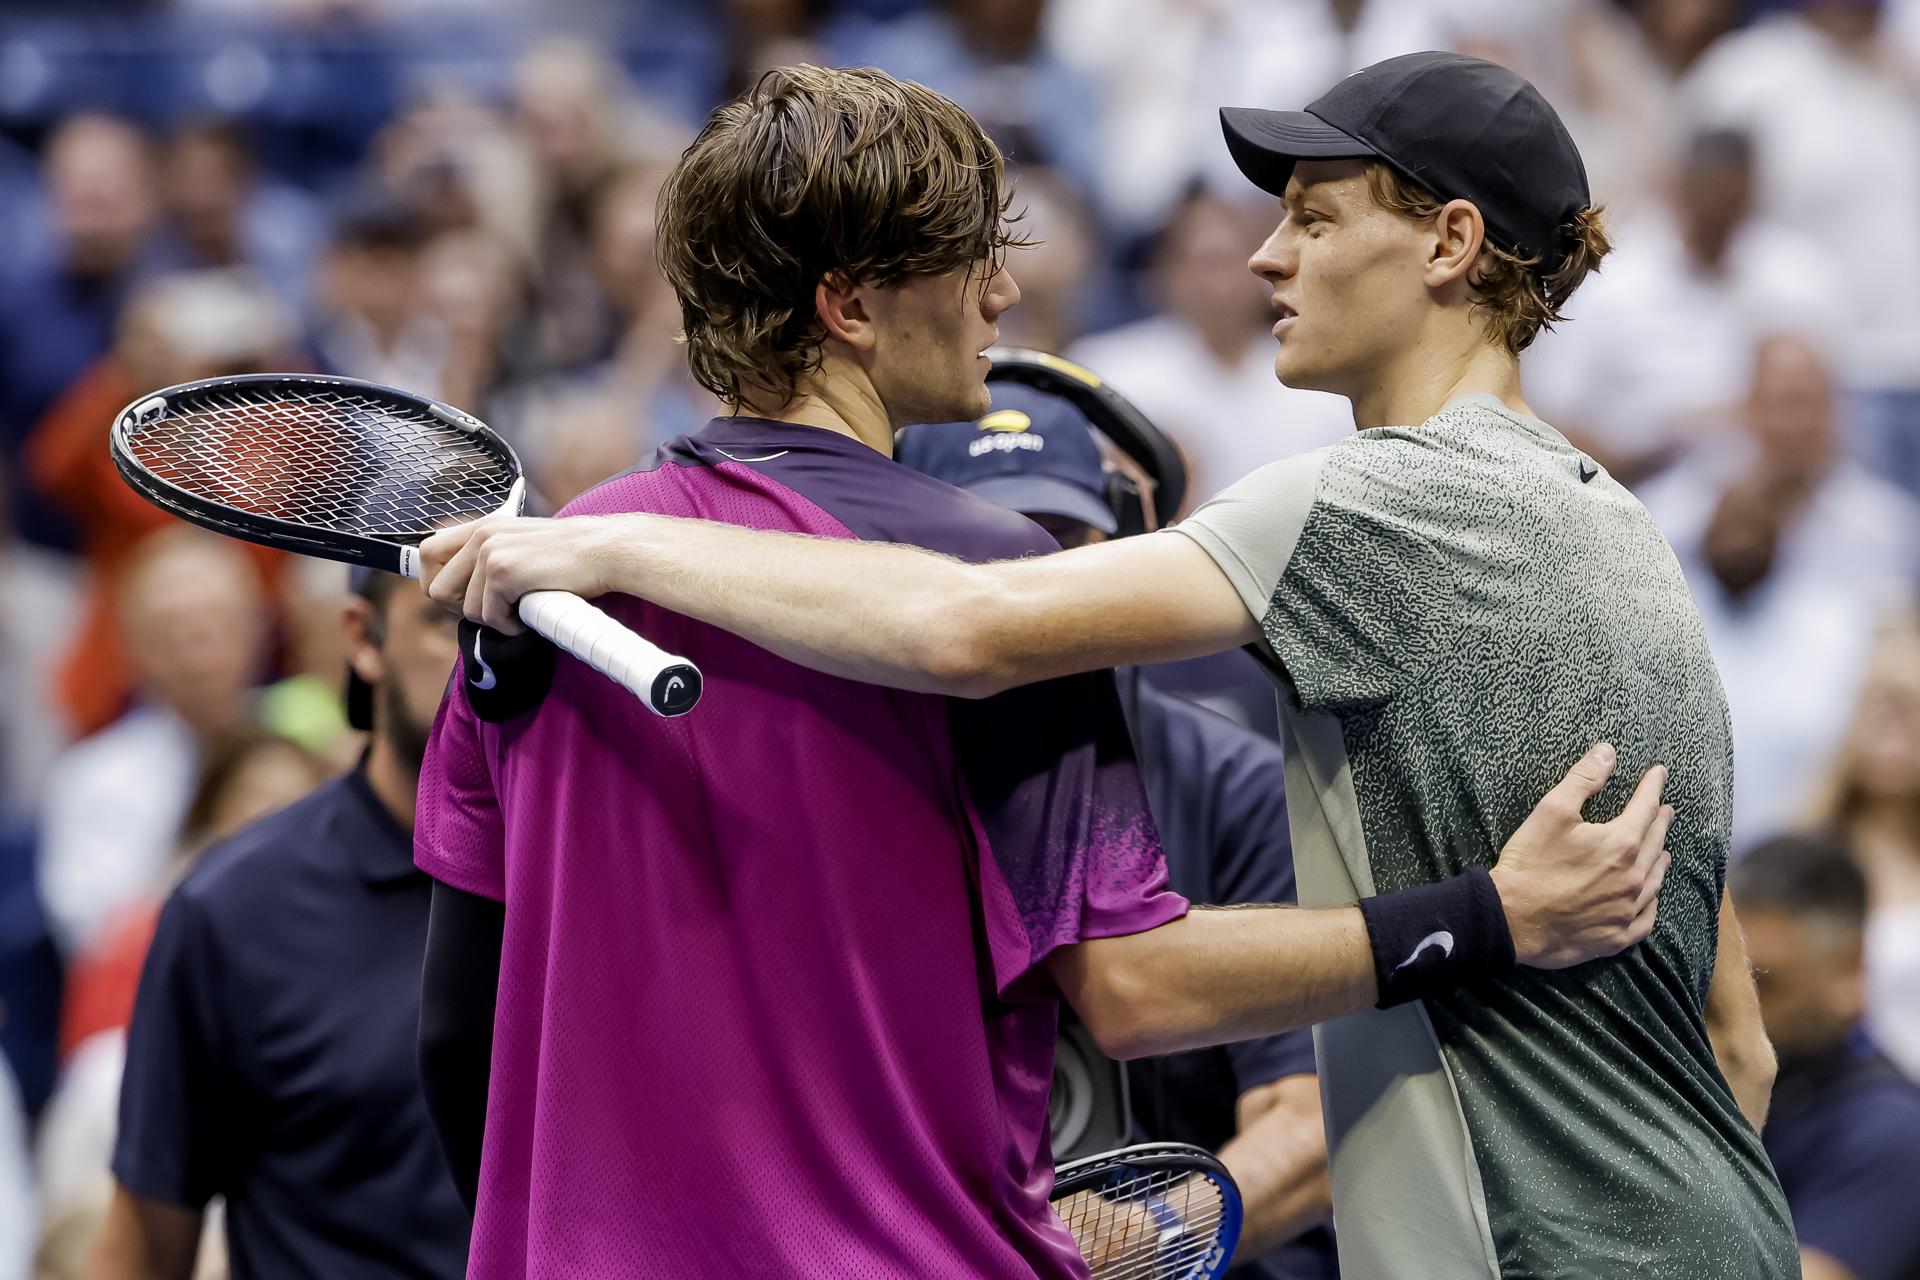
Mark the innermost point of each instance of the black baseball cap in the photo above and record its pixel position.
(1462, 128)
(1035, 453)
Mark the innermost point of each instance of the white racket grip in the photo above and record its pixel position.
(668, 685)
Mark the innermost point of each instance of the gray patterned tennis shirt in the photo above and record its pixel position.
(1458, 610)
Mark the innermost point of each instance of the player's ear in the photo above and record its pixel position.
(841, 304)
(362, 622)
(1459, 234)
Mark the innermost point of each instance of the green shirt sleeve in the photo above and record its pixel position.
(1345, 565)
(1251, 527)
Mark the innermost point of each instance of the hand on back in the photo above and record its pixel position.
(1575, 890)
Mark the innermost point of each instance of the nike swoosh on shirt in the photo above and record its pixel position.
(1442, 940)
(482, 683)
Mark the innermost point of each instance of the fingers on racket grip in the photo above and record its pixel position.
(670, 686)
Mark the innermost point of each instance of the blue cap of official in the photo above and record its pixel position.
(1034, 453)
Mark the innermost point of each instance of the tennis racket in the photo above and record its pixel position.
(361, 473)
(1161, 1211)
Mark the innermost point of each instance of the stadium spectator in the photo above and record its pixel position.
(1202, 364)
(1833, 117)
(1587, 58)
(1161, 68)
(243, 779)
(479, 294)
(1678, 33)
(627, 270)
(64, 295)
(305, 703)
(372, 321)
(1056, 265)
(1872, 803)
(271, 1058)
(637, 393)
(990, 57)
(759, 35)
(175, 328)
(644, 365)
(579, 437)
(1791, 549)
(191, 618)
(1218, 795)
(460, 166)
(584, 126)
(221, 213)
(1660, 347)
(1844, 1128)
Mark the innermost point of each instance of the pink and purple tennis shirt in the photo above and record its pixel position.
(772, 1000)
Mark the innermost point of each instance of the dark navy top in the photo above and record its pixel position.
(1844, 1135)
(1218, 794)
(271, 1058)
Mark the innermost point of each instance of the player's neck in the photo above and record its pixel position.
(395, 782)
(1434, 372)
(836, 397)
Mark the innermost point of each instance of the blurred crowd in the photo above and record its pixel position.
(458, 198)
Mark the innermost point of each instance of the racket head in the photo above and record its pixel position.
(1179, 1194)
(319, 465)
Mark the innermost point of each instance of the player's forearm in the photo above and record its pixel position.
(1734, 1027)
(1279, 1161)
(459, 986)
(1218, 975)
(876, 612)
(145, 1240)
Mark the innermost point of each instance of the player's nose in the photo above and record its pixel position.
(1273, 260)
(1002, 293)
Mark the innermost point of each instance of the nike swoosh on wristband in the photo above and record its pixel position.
(488, 681)
(1442, 940)
(1586, 475)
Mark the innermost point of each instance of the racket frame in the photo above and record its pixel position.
(665, 683)
(390, 555)
(1110, 1169)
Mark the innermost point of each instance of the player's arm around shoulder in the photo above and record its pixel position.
(877, 612)
(1564, 891)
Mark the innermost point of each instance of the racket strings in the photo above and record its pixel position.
(1150, 1225)
(324, 458)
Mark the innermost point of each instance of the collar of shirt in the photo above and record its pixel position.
(744, 438)
(380, 849)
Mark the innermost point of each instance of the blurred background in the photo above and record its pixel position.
(457, 196)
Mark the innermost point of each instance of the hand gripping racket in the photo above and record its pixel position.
(353, 471)
(1161, 1211)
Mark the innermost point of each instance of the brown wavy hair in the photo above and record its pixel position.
(1516, 298)
(811, 173)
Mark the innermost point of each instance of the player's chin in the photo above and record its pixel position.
(975, 403)
(1296, 370)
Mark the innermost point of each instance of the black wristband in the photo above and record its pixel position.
(1432, 938)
